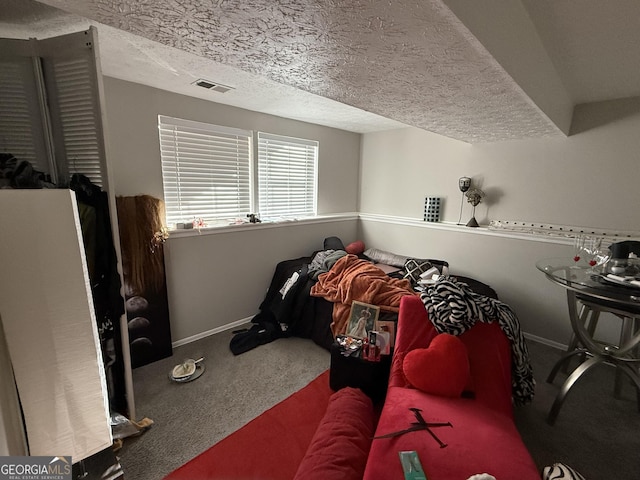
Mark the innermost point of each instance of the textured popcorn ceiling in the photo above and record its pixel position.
(136, 59)
(409, 61)
(412, 62)
(367, 65)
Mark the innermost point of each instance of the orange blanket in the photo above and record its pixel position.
(351, 279)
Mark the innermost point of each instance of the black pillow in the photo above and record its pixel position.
(333, 243)
(414, 267)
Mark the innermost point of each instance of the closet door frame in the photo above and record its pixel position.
(71, 122)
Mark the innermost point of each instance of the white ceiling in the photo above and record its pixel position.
(475, 71)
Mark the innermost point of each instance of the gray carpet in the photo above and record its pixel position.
(595, 433)
(191, 417)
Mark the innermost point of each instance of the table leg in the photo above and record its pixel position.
(632, 373)
(627, 352)
(588, 317)
(564, 360)
(566, 386)
(573, 343)
(625, 335)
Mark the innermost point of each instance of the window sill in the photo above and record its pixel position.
(233, 228)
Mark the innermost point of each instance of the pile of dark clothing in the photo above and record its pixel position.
(288, 309)
(16, 173)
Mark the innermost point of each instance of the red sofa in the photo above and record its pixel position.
(483, 437)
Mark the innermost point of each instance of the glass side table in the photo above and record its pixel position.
(588, 295)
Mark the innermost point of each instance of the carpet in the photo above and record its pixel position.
(271, 446)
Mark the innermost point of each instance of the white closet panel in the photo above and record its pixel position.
(49, 321)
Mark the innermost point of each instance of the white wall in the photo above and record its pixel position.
(588, 179)
(216, 279)
(132, 116)
(506, 264)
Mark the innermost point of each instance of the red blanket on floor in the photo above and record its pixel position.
(271, 446)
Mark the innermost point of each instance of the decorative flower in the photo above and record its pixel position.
(474, 196)
(199, 223)
(159, 238)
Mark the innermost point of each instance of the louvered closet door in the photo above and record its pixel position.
(21, 129)
(68, 94)
(50, 105)
(71, 80)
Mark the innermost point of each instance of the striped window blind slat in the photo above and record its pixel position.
(287, 176)
(206, 170)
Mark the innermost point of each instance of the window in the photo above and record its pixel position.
(206, 170)
(286, 176)
(207, 173)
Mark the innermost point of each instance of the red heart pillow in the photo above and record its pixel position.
(442, 369)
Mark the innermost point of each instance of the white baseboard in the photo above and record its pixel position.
(213, 331)
(244, 321)
(545, 341)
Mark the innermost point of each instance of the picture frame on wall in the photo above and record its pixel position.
(362, 319)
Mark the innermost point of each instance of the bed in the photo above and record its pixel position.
(311, 296)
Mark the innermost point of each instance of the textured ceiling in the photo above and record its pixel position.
(410, 61)
(136, 59)
(358, 65)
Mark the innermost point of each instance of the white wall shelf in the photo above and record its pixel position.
(535, 232)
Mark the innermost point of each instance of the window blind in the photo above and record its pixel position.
(287, 176)
(206, 170)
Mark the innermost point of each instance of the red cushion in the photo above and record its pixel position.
(481, 439)
(488, 348)
(340, 446)
(441, 369)
(355, 248)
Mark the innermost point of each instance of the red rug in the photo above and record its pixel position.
(271, 446)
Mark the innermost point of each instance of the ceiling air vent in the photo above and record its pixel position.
(216, 87)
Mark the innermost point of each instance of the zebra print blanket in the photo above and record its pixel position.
(454, 308)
